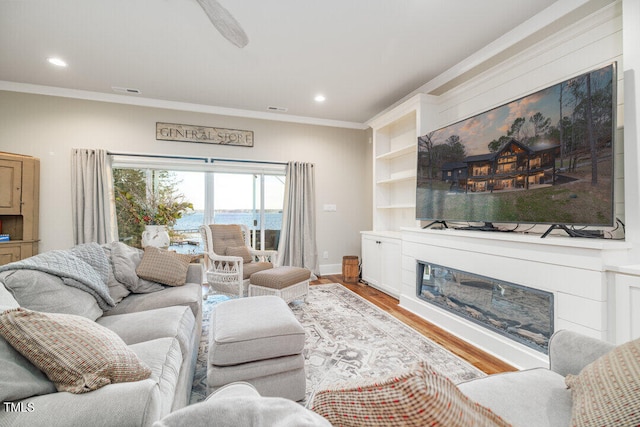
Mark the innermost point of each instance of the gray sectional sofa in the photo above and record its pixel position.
(160, 324)
(539, 397)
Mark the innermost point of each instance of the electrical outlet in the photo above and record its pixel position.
(325, 255)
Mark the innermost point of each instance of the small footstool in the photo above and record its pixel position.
(257, 340)
(288, 283)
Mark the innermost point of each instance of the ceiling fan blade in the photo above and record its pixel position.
(224, 22)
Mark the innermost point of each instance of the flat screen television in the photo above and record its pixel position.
(546, 158)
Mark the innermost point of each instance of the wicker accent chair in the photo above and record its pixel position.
(230, 260)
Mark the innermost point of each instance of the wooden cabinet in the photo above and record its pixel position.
(19, 206)
(381, 262)
(10, 186)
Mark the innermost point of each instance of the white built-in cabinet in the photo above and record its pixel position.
(381, 262)
(624, 293)
(395, 158)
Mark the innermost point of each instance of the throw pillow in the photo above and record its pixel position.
(40, 291)
(117, 290)
(241, 251)
(125, 260)
(420, 397)
(607, 391)
(78, 355)
(163, 266)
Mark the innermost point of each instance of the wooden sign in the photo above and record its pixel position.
(203, 134)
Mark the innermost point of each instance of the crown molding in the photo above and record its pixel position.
(172, 105)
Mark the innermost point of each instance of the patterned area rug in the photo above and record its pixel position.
(348, 337)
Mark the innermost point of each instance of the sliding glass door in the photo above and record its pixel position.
(254, 199)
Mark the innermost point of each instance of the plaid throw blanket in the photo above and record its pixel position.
(85, 267)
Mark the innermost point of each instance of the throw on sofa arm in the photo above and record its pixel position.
(570, 351)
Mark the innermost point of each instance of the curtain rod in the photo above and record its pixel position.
(204, 159)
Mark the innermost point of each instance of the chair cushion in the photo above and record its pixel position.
(249, 269)
(420, 397)
(280, 277)
(163, 266)
(607, 392)
(225, 235)
(241, 251)
(77, 354)
(250, 329)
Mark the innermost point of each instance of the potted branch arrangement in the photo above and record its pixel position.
(152, 212)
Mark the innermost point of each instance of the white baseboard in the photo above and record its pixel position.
(330, 269)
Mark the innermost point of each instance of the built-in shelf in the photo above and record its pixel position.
(410, 149)
(395, 141)
(402, 177)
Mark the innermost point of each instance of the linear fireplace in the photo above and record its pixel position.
(521, 313)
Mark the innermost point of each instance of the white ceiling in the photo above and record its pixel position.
(363, 55)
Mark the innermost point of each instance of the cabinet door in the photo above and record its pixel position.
(9, 253)
(10, 187)
(371, 260)
(391, 262)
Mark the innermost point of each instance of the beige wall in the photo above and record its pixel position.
(48, 127)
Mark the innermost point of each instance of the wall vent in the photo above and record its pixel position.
(126, 90)
(278, 109)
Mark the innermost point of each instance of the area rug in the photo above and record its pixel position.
(349, 337)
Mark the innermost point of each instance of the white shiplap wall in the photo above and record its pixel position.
(575, 271)
(589, 44)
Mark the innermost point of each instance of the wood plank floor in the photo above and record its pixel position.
(483, 361)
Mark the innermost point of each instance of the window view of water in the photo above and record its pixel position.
(190, 241)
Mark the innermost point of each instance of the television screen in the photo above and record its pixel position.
(545, 158)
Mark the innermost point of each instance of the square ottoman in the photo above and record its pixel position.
(257, 340)
(288, 283)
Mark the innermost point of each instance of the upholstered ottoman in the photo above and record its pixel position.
(288, 283)
(257, 340)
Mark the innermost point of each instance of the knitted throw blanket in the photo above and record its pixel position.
(85, 267)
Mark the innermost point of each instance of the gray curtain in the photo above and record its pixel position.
(93, 202)
(297, 246)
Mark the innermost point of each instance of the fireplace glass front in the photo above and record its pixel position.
(521, 313)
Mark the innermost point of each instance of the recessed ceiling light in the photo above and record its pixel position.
(57, 62)
(319, 98)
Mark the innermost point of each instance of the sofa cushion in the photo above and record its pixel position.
(241, 251)
(78, 355)
(168, 322)
(420, 396)
(39, 291)
(530, 398)
(6, 299)
(117, 290)
(607, 391)
(130, 404)
(18, 377)
(189, 295)
(125, 260)
(163, 266)
(164, 358)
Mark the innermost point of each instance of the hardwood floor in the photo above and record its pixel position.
(483, 361)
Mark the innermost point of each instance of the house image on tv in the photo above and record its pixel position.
(514, 166)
